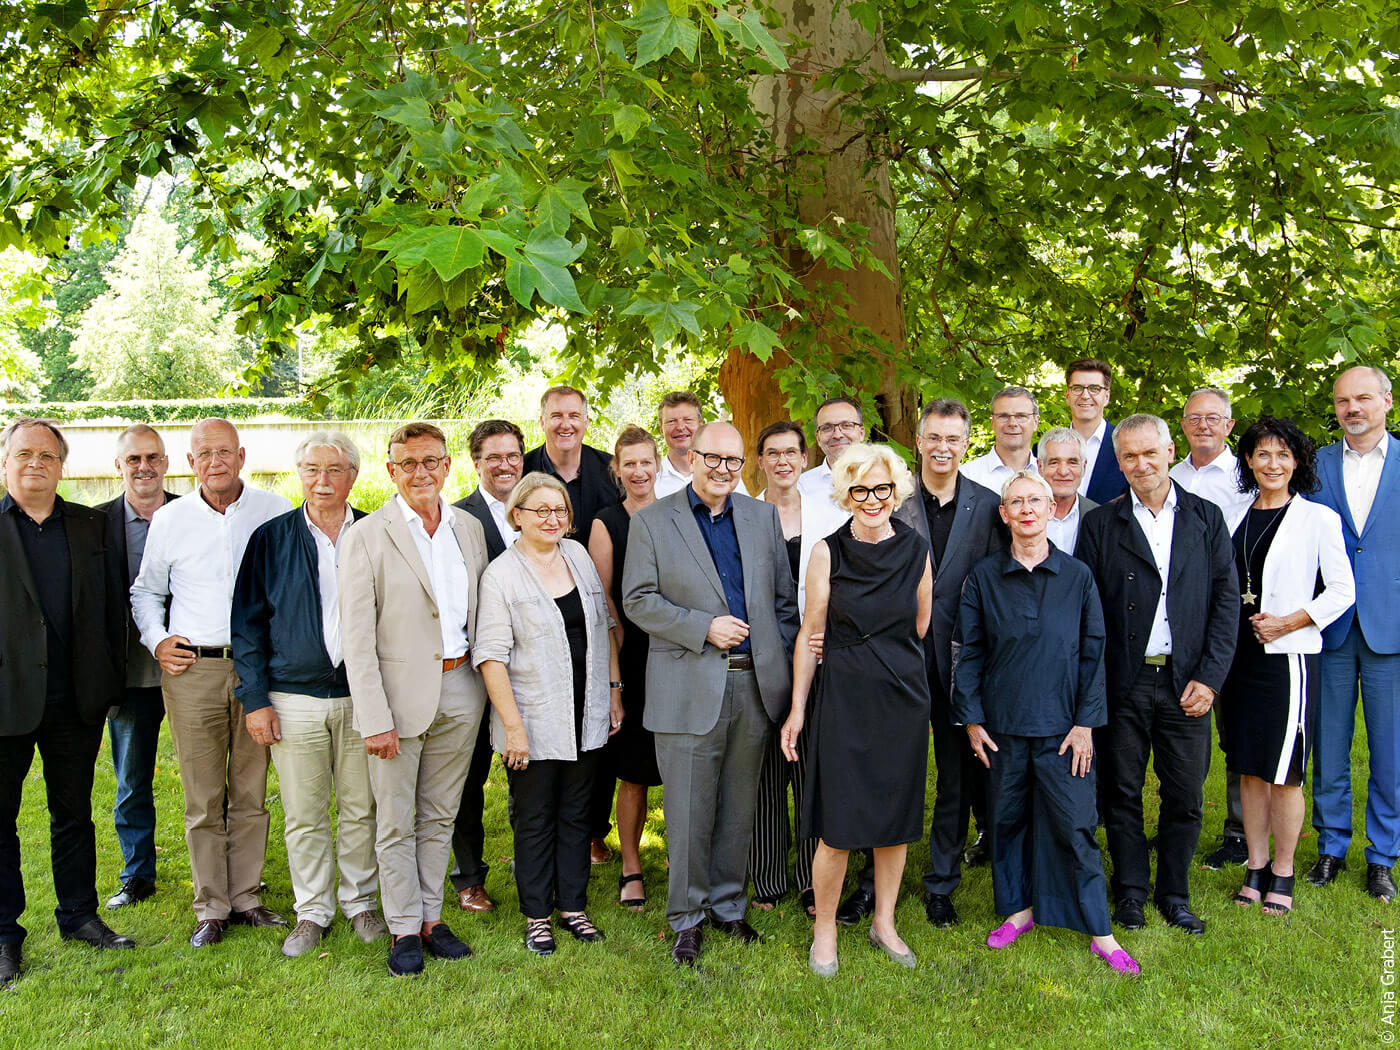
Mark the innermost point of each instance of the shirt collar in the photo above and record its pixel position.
(349, 519)
(1050, 564)
(1379, 451)
(1218, 462)
(410, 516)
(1098, 433)
(491, 501)
(697, 504)
(1170, 503)
(8, 504)
(669, 469)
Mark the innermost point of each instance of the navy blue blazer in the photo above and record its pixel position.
(475, 505)
(278, 644)
(1373, 547)
(1107, 481)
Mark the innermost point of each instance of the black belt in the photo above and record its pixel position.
(741, 661)
(212, 652)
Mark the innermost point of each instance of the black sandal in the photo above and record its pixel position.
(1283, 886)
(1254, 879)
(634, 903)
(539, 938)
(581, 926)
(808, 897)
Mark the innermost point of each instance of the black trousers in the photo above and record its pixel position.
(1043, 849)
(1148, 720)
(69, 749)
(468, 834)
(552, 833)
(600, 802)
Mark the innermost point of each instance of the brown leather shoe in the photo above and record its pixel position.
(474, 898)
(207, 932)
(259, 916)
(687, 947)
(598, 852)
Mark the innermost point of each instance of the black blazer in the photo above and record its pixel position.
(977, 532)
(99, 616)
(475, 505)
(1203, 592)
(1107, 481)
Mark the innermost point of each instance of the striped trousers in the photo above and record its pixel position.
(772, 828)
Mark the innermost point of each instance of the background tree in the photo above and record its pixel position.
(22, 291)
(159, 331)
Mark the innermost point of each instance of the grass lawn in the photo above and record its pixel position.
(1312, 980)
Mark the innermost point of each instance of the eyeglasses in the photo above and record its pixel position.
(773, 455)
(861, 493)
(44, 459)
(307, 470)
(1080, 389)
(713, 460)
(496, 459)
(545, 513)
(1212, 420)
(1014, 417)
(939, 441)
(428, 463)
(204, 455)
(1015, 503)
(134, 460)
(848, 426)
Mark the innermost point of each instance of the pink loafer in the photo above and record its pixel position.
(1119, 962)
(1005, 935)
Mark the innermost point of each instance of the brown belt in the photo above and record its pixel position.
(452, 665)
(741, 661)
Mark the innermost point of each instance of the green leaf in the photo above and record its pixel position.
(662, 32)
(628, 120)
(750, 33)
(556, 287)
(758, 338)
(542, 245)
(520, 282)
(454, 249)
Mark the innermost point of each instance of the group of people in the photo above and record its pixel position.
(1057, 615)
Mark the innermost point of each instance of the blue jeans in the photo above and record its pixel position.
(135, 732)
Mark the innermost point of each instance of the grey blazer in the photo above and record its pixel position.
(671, 590)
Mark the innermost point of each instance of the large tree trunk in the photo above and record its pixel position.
(853, 188)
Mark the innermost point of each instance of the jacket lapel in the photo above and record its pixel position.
(473, 554)
(1188, 539)
(1329, 463)
(962, 521)
(1389, 482)
(397, 531)
(684, 518)
(12, 552)
(1133, 538)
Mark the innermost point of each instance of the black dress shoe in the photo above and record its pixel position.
(940, 911)
(738, 929)
(976, 854)
(687, 947)
(9, 963)
(207, 932)
(855, 907)
(1182, 917)
(132, 891)
(1232, 850)
(1129, 915)
(1379, 884)
(406, 955)
(1326, 869)
(96, 933)
(445, 944)
(259, 916)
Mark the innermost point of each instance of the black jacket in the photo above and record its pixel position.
(1203, 591)
(475, 505)
(99, 625)
(115, 512)
(275, 625)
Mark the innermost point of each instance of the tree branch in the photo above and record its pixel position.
(961, 73)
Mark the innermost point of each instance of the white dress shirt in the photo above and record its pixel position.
(447, 569)
(1064, 532)
(1092, 446)
(326, 580)
(1218, 482)
(192, 556)
(1158, 529)
(498, 515)
(1361, 475)
(989, 471)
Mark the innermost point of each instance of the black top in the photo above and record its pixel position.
(46, 549)
(1014, 620)
(575, 628)
(592, 488)
(794, 551)
(1252, 541)
(723, 541)
(940, 520)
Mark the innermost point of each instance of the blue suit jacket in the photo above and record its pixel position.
(1374, 549)
(1107, 481)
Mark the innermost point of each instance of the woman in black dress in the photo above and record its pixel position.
(1270, 696)
(633, 751)
(870, 588)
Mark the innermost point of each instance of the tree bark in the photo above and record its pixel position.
(853, 186)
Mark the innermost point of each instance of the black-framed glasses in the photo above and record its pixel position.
(1080, 389)
(428, 463)
(495, 459)
(861, 493)
(846, 426)
(713, 460)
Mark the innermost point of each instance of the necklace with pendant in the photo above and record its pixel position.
(1248, 597)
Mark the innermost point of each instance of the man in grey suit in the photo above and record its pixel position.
(1061, 461)
(707, 578)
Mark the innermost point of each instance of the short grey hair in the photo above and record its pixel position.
(946, 408)
(1063, 436)
(1016, 391)
(141, 430)
(1213, 391)
(1142, 421)
(1381, 377)
(23, 422)
(329, 439)
(1027, 475)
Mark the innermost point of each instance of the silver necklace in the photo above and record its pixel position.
(1248, 597)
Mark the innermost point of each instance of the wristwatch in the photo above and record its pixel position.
(614, 685)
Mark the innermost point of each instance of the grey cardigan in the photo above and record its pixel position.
(518, 623)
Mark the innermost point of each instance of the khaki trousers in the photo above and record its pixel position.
(224, 776)
(416, 796)
(320, 751)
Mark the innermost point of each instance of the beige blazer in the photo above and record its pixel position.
(389, 620)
